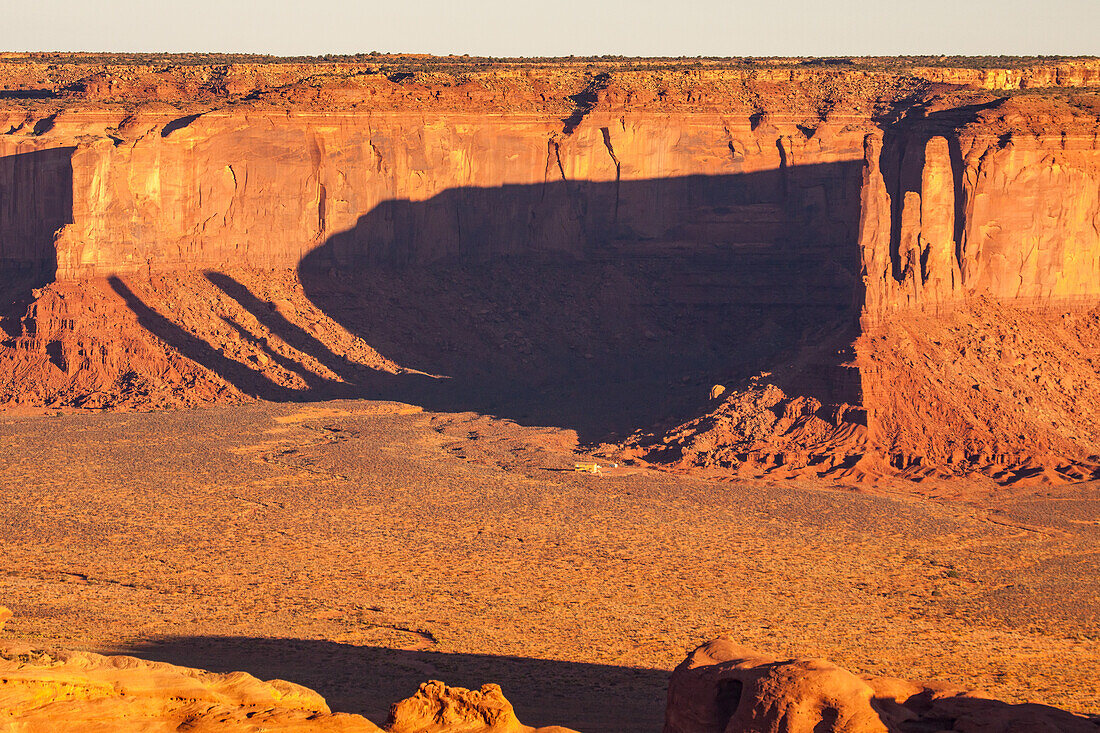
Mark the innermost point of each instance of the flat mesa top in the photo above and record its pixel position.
(374, 57)
(42, 84)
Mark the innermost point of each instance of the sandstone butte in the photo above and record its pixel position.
(719, 688)
(891, 266)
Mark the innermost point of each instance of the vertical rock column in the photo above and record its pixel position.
(874, 230)
(940, 277)
(927, 270)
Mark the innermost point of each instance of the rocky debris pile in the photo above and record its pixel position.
(986, 389)
(759, 430)
(173, 341)
(725, 688)
(985, 392)
(79, 345)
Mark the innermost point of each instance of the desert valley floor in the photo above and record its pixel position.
(361, 547)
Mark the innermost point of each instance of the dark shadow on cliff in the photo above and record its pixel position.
(36, 201)
(294, 335)
(356, 381)
(368, 679)
(603, 307)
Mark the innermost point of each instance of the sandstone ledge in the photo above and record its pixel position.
(47, 691)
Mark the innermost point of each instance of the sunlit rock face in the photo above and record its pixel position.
(797, 218)
(961, 194)
(1010, 216)
(45, 691)
(263, 189)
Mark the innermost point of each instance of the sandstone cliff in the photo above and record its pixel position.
(792, 221)
(1000, 202)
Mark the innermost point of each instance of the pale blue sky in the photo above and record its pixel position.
(561, 27)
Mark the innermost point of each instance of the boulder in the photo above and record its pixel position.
(725, 688)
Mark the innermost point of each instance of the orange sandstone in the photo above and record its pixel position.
(827, 218)
(724, 688)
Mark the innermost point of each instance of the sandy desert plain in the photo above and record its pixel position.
(299, 356)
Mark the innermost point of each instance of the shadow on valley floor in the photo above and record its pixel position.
(367, 680)
(590, 698)
(598, 306)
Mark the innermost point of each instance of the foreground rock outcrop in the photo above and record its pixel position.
(724, 688)
(48, 691)
(437, 708)
(720, 688)
(70, 691)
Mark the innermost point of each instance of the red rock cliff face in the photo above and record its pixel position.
(1014, 216)
(1002, 200)
(150, 193)
(981, 257)
(766, 199)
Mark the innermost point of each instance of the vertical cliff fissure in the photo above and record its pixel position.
(618, 170)
(784, 162)
(227, 214)
(379, 162)
(902, 166)
(553, 149)
(958, 180)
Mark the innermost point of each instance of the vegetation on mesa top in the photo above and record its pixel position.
(426, 61)
(196, 79)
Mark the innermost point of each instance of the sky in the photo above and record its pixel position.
(559, 28)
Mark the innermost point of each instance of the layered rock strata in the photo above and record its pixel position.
(772, 197)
